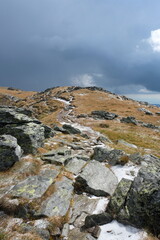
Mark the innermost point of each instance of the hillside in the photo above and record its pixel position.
(76, 160)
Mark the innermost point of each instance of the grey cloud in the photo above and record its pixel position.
(46, 43)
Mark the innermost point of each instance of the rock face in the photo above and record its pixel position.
(10, 151)
(141, 206)
(58, 203)
(96, 179)
(30, 133)
(103, 115)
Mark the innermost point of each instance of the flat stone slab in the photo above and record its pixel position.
(58, 203)
(96, 179)
(82, 206)
(57, 160)
(34, 186)
(75, 165)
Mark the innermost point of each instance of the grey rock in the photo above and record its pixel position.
(60, 151)
(113, 157)
(77, 234)
(34, 186)
(103, 115)
(150, 125)
(65, 231)
(82, 116)
(146, 111)
(136, 158)
(57, 160)
(60, 129)
(100, 154)
(129, 120)
(10, 152)
(13, 115)
(58, 203)
(103, 139)
(43, 233)
(142, 206)
(97, 219)
(118, 199)
(29, 136)
(82, 206)
(71, 130)
(75, 165)
(96, 179)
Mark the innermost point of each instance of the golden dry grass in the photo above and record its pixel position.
(16, 93)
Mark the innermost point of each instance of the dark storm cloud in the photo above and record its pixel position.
(48, 43)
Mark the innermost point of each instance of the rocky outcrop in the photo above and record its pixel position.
(129, 120)
(103, 115)
(112, 157)
(28, 131)
(96, 179)
(10, 152)
(137, 203)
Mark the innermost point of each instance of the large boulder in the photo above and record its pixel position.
(30, 136)
(13, 115)
(30, 133)
(10, 151)
(103, 115)
(141, 206)
(96, 179)
(112, 157)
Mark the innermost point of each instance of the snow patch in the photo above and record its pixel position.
(62, 100)
(101, 206)
(128, 171)
(117, 231)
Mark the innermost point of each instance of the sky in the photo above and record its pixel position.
(114, 44)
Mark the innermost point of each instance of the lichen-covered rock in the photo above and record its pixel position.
(13, 115)
(10, 151)
(113, 157)
(118, 199)
(142, 205)
(103, 115)
(30, 136)
(30, 133)
(58, 203)
(96, 179)
(34, 186)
